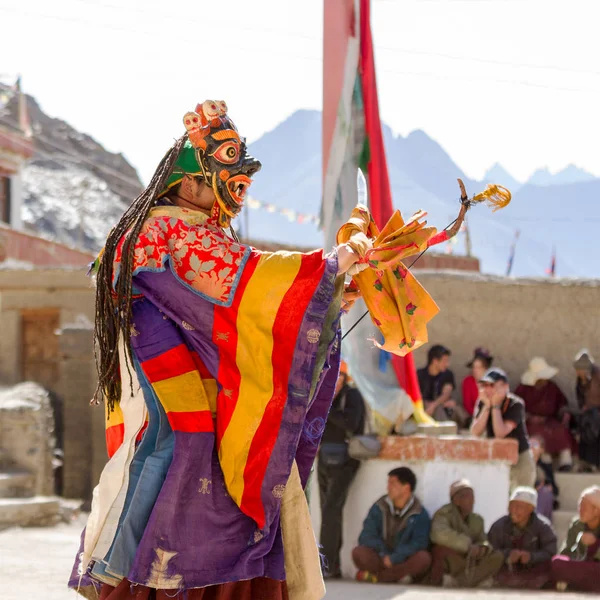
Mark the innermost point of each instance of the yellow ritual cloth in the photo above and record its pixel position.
(398, 304)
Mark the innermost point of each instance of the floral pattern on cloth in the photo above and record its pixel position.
(398, 305)
(199, 253)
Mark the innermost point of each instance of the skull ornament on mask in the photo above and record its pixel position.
(222, 155)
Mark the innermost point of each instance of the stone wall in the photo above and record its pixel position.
(70, 293)
(515, 319)
(27, 435)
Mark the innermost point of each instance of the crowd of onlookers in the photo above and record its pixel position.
(564, 428)
(399, 542)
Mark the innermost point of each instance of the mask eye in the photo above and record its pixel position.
(228, 152)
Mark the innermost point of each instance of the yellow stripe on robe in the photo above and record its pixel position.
(183, 393)
(256, 316)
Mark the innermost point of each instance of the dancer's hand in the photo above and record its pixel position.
(351, 295)
(588, 538)
(514, 557)
(387, 561)
(346, 258)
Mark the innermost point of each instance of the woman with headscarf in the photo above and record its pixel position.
(546, 410)
(482, 360)
(588, 399)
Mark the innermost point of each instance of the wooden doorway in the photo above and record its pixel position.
(4, 199)
(40, 346)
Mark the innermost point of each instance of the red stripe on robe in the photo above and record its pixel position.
(169, 364)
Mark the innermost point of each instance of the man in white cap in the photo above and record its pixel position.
(548, 413)
(578, 565)
(527, 541)
(461, 553)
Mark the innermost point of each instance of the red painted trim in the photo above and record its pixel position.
(13, 142)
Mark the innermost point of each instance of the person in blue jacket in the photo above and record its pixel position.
(395, 537)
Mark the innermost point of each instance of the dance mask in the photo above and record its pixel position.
(222, 156)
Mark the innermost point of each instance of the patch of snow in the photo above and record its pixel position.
(69, 205)
(23, 395)
(15, 264)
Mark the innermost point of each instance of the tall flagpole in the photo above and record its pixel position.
(511, 257)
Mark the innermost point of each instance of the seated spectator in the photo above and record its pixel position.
(578, 565)
(461, 554)
(501, 414)
(336, 469)
(588, 398)
(395, 537)
(482, 360)
(437, 383)
(546, 410)
(545, 484)
(527, 542)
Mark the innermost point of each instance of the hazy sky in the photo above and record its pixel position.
(514, 81)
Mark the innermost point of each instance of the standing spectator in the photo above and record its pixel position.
(437, 383)
(546, 409)
(482, 360)
(588, 398)
(501, 414)
(461, 554)
(545, 484)
(527, 542)
(395, 536)
(578, 565)
(336, 469)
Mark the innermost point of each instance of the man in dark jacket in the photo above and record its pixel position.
(461, 553)
(336, 469)
(436, 382)
(527, 542)
(395, 536)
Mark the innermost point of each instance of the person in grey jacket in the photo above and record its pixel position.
(527, 541)
(395, 536)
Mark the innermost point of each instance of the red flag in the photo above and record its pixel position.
(380, 196)
(552, 270)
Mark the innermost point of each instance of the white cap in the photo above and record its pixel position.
(525, 494)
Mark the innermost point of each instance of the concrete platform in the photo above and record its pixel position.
(16, 484)
(436, 462)
(24, 512)
(570, 485)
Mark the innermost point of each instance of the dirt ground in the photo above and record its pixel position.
(35, 563)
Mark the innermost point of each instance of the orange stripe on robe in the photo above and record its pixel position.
(115, 429)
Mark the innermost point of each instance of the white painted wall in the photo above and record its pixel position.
(490, 481)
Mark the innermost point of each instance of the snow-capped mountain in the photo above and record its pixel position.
(69, 198)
